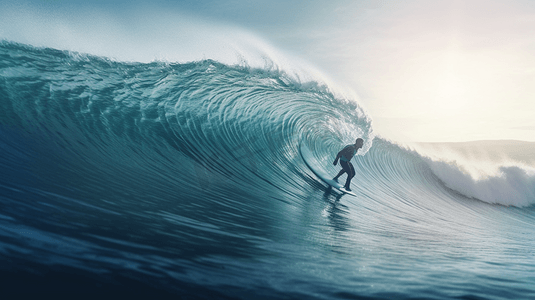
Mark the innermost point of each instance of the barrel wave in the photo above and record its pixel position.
(187, 179)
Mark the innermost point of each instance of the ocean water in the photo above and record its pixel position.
(186, 181)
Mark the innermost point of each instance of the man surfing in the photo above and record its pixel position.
(345, 155)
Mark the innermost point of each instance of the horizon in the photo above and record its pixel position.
(479, 141)
(439, 71)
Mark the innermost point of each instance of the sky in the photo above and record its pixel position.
(425, 71)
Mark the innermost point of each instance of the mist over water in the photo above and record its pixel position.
(183, 177)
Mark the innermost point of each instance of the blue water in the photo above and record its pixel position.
(186, 180)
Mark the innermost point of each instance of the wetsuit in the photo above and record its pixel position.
(345, 156)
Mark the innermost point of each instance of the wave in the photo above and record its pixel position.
(233, 121)
(192, 172)
(203, 126)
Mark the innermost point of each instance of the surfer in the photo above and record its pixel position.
(345, 155)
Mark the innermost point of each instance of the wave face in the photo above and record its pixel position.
(187, 179)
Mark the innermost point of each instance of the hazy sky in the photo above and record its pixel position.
(424, 70)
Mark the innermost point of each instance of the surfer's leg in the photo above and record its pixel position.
(339, 174)
(350, 175)
(345, 169)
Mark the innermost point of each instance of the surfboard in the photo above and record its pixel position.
(336, 185)
(317, 169)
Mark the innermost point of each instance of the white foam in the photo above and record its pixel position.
(498, 180)
(512, 185)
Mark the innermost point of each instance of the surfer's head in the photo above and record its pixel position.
(359, 142)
